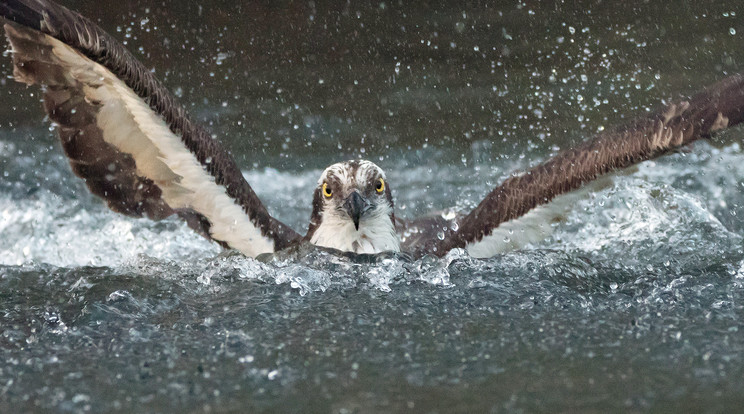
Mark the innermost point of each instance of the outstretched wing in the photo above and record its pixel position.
(529, 196)
(125, 134)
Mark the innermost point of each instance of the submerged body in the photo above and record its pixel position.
(136, 147)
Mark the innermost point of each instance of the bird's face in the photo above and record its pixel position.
(354, 190)
(353, 209)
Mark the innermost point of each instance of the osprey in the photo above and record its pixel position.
(136, 147)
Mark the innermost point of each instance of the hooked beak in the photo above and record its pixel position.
(355, 205)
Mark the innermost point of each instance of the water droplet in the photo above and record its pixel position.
(440, 235)
(732, 31)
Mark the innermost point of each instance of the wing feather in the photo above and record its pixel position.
(675, 125)
(127, 137)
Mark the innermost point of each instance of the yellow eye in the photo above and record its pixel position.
(327, 190)
(380, 186)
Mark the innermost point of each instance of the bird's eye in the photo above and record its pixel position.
(327, 190)
(380, 187)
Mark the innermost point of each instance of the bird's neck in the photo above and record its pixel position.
(376, 234)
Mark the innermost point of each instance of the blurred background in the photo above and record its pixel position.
(278, 80)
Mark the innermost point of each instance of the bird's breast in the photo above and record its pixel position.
(370, 238)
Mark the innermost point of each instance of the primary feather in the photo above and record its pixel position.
(127, 137)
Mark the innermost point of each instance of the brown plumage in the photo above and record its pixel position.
(675, 125)
(110, 173)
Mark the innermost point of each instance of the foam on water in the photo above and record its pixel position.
(665, 202)
(45, 230)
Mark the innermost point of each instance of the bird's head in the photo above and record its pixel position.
(353, 209)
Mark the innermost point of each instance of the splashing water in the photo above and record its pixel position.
(634, 303)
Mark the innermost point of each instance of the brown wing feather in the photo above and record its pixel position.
(677, 124)
(109, 171)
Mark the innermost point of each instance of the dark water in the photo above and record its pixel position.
(633, 304)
